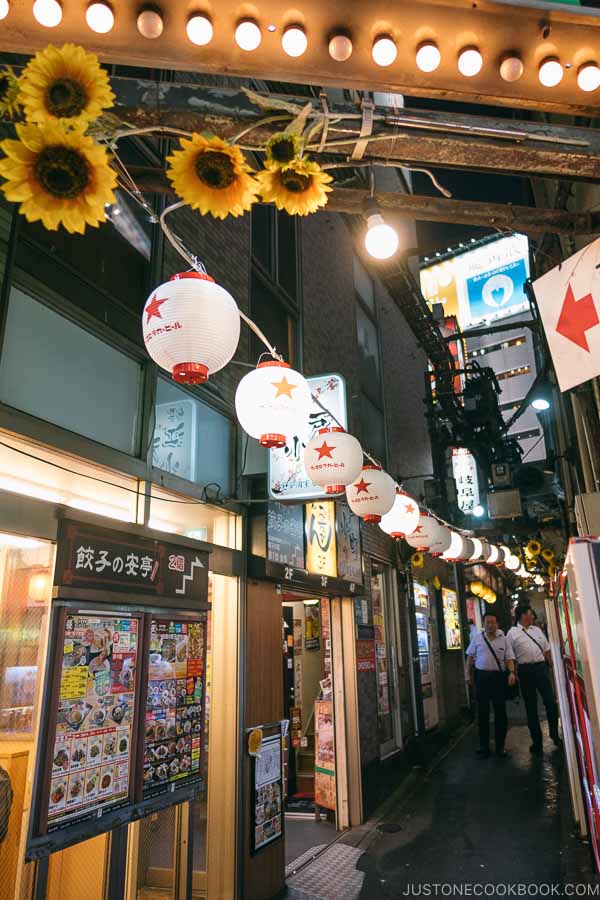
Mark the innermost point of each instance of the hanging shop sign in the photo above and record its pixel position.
(324, 755)
(175, 437)
(91, 557)
(123, 716)
(349, 556)
(321, 557)
(464, 472)
(285, 534)
(568, 299)
(267, 819)
(452, 631)
(288, 479)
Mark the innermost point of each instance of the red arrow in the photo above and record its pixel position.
(576, 317)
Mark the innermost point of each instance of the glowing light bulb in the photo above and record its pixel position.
(340, 47)
(384, 51)
(199, 30)
(3, 9)
(150, 24)
(550, 72)
(478, 510)
(100, 17)
(428, 56)
(381, 240)
(511, 68)
(541, 404)
(470, 62)
(247, 35)
(47, 12)
(294, 41)
(588, 77)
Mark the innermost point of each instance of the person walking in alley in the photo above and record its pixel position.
(529, 646)
(490, 656)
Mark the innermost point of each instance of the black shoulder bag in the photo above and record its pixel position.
(511, 692)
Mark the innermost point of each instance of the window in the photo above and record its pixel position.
(373, 429)
(493, 348)
(369, 365)
(57, 371)
(368, 355)
(513, 373)
(274, 319)
(191, 440)
(275, 247)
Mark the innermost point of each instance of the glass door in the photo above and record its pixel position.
(387, 643)
(425, 650)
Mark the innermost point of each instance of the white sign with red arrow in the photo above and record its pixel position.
(568, 298)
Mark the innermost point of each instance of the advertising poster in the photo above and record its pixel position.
(321, 558)
(268, 793)
(348, 543)
(451, 619)
(312, 630)
(365, 656)
(295, 725)
(324, 755)
(91, 758)
(174, 710)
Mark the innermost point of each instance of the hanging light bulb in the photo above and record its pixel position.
(47, 12)
(100, 17)
(403, 517)
(384, 50)
(4, 8)
(588, 77)
(273, 404)
(199, 30)
(150, 23)
(332, 459)
(381, 240)
(428, 56)
(550, 72)
(340, 47)
(294, 41)
(470, 62)
(248, 35)
(511, 67)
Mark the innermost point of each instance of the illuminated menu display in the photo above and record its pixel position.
(91, 759)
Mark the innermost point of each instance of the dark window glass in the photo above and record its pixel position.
(262, 235)
(287, 253)
(368, 350)
(373, 429)
(273, 319)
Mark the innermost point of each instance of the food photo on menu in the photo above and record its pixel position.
(174, 705)
(91, 754)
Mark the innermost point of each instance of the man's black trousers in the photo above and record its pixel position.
(534, 677)
(491, 689)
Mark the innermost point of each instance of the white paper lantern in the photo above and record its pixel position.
(191, 327)
(477, 549)
(372, 494)
(403, 517)
(273, 403)
(512, 562)
(494, 555)
(460, 548)
(430, 535)
(332, 459)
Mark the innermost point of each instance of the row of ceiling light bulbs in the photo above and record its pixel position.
(248, 36)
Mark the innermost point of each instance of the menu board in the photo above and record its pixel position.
(91, 758)
(175, 702)
(268, 788)
(285, 534)
(451, 619)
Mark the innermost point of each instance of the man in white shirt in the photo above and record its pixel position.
(531, 650)
(490, 655)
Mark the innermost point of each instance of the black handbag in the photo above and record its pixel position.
(511, 691)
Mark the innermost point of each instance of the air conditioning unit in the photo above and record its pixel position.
(504, 504)
(587, 513)
(501, 474)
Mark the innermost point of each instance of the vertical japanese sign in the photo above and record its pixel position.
(91, 758)
(287, 476)
(464, 471)
(175, 435)
(321, 558)
(451, 619)
(349, 557)
(268, 793)
(324, 755)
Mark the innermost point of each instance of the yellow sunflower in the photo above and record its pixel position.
(282, 149)
(417, 560)
(64, 84)
(59, 177)
(299, 189)
(212, 176)
(9, 92)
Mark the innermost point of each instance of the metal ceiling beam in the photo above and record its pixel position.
(483, 143)
(532, 30)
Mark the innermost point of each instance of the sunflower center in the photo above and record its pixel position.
(295, 182)
(215, 169)
(62, 171)
(283, 150)
(65, 98)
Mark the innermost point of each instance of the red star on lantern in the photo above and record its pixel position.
(153, 308)
(362, 485)
(324, 450)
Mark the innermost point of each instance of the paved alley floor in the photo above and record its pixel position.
(467, 821)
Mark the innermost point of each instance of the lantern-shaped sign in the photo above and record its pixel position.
(273, 403)
(191, 327)
(403, 517)
(332, 459)
(372, 494)
(460, 548)
(429, 535)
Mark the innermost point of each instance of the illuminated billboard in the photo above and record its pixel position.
(481, 285)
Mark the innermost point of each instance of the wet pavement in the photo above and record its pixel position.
(465, 821)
